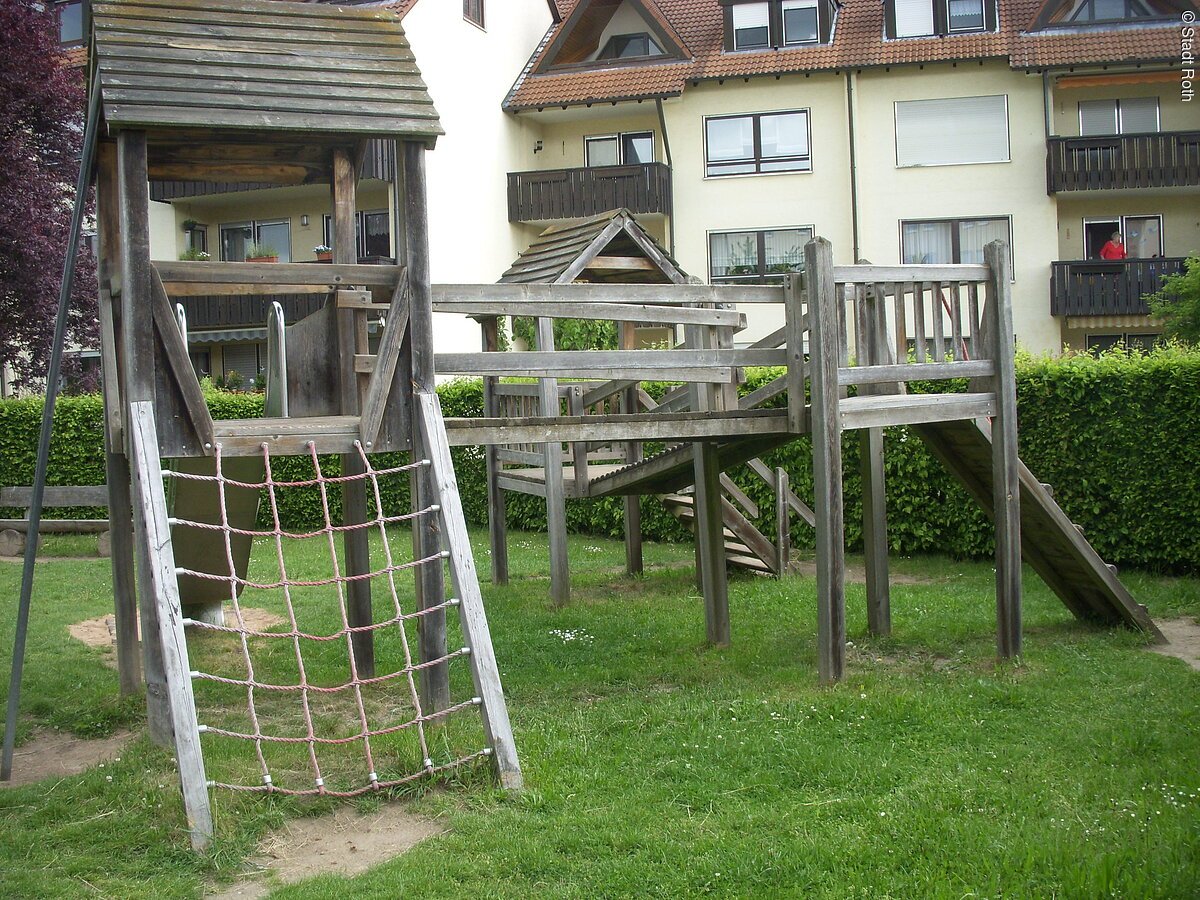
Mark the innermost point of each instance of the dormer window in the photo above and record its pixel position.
(1108, 11)
(70, 22)
(1084, 13)
(777, 24)
(939, 18)
(626, 46)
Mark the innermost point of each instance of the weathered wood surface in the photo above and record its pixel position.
(675, 365)
(912, 409)
(484, 670)
(263, 58)
(783, 534)
(556, 501)
(884, 374)
(583, 309)
(382, 388)
(868, 274)
(497, 524)
(161, 585)
(667, 295)
(282, 277)
(827, 460)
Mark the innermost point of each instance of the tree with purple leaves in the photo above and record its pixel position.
(41, 132)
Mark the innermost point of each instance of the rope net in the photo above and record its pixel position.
(294, 692)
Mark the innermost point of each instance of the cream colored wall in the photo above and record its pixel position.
(1180, 212)
(273, 204)
(469, 72)
(562, 141)
(1173, 113)
(162, 231)
(1017, 189)
(819, 198)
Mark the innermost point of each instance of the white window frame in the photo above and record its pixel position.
(745, 6)
(1012, 267)
(1119, 118)
(618, 136)
(1119, 221)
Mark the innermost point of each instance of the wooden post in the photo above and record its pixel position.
(1005, 464)
(796, 324)
(552, 463)
(497, 525)
(137, 351)
(116, 463)
(633, 454)
(163, 590)
(824, 336)
(873, 348)
(709, 515)
(431, 585)
(354, 493)
(783, 532)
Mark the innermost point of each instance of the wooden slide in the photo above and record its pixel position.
(1050, 542)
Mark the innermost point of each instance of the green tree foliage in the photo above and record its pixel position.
(1178, 303)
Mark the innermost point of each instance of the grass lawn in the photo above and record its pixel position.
(655, 766)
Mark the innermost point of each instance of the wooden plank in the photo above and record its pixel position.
(632, 294)
(642, 427)
(506, 366)
(497, 525)
(563, 362)
(630, 403)
(176, 353)
(710, 544)
(827, 460)
(783, 533)
(913, 409)
(484, 670)
(556, 502)
(164, 595)
(281, 275)
(60, 526)
(937, 322)
(863, 274)
(798, 321)
(875, 540)
(383, 375)
(1005, 476)
(603, 311)
(621, 264)
(56, 495)
(739, 496)
(886, 374)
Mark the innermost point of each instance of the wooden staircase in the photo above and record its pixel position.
(745, 546)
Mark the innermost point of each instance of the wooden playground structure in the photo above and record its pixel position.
(580, 428)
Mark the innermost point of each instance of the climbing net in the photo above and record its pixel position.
(316, 707)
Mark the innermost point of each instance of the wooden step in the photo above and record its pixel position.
(878, 410)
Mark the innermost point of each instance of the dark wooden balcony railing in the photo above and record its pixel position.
(576, 193)
(1099, 287)
(1169, 159)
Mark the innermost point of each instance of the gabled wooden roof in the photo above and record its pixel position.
(260, 65)
(596, 249)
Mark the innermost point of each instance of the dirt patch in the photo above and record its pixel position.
(101, 632)
(1183, 640)
(52, 754)
(858, 574)
(346, 842)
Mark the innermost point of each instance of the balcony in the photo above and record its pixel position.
(579, 193)
(1121, 161)
(1098, 287)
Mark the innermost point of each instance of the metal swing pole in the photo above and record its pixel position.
(86, 164)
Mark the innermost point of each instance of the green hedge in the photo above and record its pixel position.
(1118, 437)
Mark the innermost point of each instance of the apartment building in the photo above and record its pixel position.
(901, 130)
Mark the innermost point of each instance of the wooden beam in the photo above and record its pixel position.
(662, 294)
(621, 264)
(663, 314)
(556, 500)
(497, 525)
(382, 382)
(827, 461)
(333, 277)
(917, 273)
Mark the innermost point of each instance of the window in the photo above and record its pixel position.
(473, 11)
(952, 132)
(372, 233)
(754, 144)
(756, 257)
(942, 241)
(1086, 11)
(627, 46)
(626, 149)
(1141, 235)
(244, 359)
(1131, 115)
(197, 238)
(237, 237)
(777, 23)
(938, 18)
(1098, 343)
(70, 22)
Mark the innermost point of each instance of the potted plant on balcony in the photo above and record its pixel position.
(190, 225)
(194, 253)
(324, 253)
(261, 253)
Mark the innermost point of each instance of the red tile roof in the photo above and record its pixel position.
(858, 42)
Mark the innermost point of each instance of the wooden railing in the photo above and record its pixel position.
(577, 193)
(1100, 287)
(1168, 159)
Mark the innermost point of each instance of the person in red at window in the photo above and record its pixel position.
(1113, 248)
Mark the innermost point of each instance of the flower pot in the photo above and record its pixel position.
(325, 257)
(262, 259)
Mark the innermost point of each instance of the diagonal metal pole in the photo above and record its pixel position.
(86, 162)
